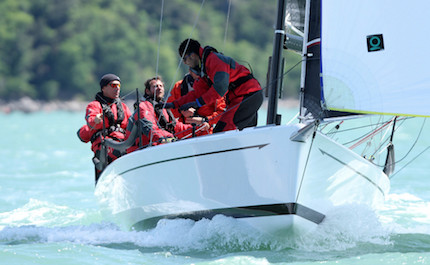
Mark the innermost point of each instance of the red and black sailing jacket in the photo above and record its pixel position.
(228, 78)
(179, 96)
(116, 115)
(156, 125)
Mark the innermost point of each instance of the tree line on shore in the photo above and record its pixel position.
(58, 50)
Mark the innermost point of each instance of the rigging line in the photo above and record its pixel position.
(186, 46)
(369, 125)
(416, 140)
(159, 37)
(410, 149)
(413, 159)
(156, 65)
(360, 137)
(370, 135)
(385, 141)
(294, 118)
(382, 139)
(283, 74)
(369, 138)
(334, 130)
(307, 159)
(226, 24)
(181, 60)
(159, 44)
(126, 95)
(373, 136)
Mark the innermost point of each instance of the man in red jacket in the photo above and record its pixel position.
(106, 117)
(158, 125)
(190, 86)
(228, 79)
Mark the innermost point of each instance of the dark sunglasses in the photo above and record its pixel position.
(116, 85)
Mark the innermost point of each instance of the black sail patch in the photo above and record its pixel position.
(375, 43)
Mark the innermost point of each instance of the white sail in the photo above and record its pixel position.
(375, 57)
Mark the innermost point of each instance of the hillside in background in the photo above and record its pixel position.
(56, 49)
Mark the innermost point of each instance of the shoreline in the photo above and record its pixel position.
(28, 105)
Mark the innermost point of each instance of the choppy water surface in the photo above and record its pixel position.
(48, 214)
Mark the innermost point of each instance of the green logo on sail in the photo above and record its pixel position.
(375, 43)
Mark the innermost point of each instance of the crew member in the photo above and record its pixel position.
(187, 89)
(158, 125)
(106, 117)
(227, 78)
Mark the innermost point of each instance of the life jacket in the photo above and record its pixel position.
(206, 51)
(187, 81)
(86, 133)
(232, 85)
(166, 123)
(114, 125)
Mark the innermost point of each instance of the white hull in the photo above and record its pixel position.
(258, 175)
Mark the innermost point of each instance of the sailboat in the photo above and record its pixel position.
(284, 179)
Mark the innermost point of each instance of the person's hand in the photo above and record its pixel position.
(188, 113)
(196, 120)
(192, 104)
(206, 126)
(98, 118)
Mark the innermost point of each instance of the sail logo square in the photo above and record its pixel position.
(375, 43)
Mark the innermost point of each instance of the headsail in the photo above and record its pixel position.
(374, 56)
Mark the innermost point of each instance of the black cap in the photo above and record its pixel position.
(107, 78)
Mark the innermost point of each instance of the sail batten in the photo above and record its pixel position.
(374, 59)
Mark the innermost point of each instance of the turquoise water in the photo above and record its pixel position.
(48, 214)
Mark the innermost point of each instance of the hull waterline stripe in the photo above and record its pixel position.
(359, 173)
(240, 212)
(196, 155)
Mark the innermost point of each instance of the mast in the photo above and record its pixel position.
(302, 111)
(275, 66)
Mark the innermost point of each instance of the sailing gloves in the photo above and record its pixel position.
(169, 105)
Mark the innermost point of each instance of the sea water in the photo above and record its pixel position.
(48, 213)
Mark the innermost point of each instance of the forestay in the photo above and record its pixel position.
(374, 56)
